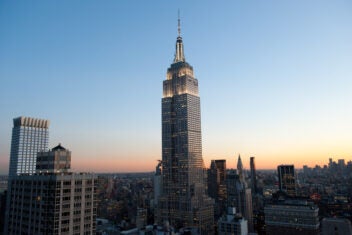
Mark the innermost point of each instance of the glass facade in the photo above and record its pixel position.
(183, 201)
(29, 136)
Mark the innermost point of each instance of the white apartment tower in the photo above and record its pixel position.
(29, 136)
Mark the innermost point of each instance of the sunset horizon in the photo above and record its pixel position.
(274, 89)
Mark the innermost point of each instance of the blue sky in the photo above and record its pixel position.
(274, 76)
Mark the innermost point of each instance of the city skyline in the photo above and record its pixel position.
(280, 70)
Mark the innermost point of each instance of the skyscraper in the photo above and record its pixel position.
(183, 201)
(53, 200)
(29, 136)
(240, 169)
(253, 176)
(238, 193)
(217, 185)
(287, 182)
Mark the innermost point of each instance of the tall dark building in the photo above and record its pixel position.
(53, 200)
(253, 176)
(240, 168)
(217, 185)
(183, 201)
(287, 181)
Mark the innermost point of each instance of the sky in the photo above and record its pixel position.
(275, 78)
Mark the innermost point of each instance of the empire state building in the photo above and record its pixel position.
(183, 201)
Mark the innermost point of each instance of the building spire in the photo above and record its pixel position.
(179, 24)
(179, 56)
(240, 167)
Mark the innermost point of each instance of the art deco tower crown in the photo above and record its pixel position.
(179, 55)
(183, 201)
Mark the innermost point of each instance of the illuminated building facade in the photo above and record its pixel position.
(183, 201)
(29, 136)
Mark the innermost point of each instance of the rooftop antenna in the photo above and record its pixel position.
(179, 23)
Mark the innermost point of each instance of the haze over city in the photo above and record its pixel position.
(274, 78)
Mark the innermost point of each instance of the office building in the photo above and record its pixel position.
(287, 181)
(29, 136)
(291, 217)
(232, 224)
(217, 185)
(183, 201)
(52, 202)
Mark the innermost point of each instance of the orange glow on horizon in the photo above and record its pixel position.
(264, 162)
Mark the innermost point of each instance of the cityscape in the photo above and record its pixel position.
(275, 160)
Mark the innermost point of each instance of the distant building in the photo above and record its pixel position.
(239, 195)
(287, 180)
(232, 224)
(240, 169)
(217, 185)
(341, 165)
(157, 181)
(253, 176)
(54, 201)
(292, 217)
(336, 226)
(29, 136)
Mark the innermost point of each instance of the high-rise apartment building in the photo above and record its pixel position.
(217, 185)
(52, 201)
(29, 136)
(183, 201)
(287, 180)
